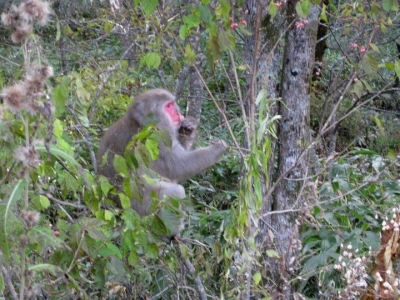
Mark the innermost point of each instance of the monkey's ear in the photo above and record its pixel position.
(136, 112)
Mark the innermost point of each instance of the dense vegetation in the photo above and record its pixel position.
(318, 219)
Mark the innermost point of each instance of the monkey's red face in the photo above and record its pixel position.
(172, 111)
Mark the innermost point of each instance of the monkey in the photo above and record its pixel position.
(175, 162)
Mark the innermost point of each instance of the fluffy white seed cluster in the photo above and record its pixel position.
(393, 223)
(354, 271)
(21, 18)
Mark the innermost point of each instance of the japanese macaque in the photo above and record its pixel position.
(176, 161)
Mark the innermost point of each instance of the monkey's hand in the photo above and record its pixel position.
(188, 126)
(222, 144)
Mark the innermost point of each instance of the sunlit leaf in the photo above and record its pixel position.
(272, 9)
(397, 68)
(190, 55)
(125, 201)
(257, 278)
(272, 253)
(149, 6)
(303, 8)
(108, 215)
(108, 27)
(58, 153)
(120, 165)
(183, 31)
(60, 95)
(152, 60)
(323, 14)
(44, 201)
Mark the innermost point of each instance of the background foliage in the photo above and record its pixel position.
(61, 238)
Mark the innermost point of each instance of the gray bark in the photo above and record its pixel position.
(294, 137)
(196, 87)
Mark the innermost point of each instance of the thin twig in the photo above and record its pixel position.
(192, 271)
(8, 280)
(58, 201)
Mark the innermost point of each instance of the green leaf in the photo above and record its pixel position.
(81, 92)
(46, 236)
(374, 47)
(108, 27)
(58, 34)
(44, 201)
(133, 258)
(257, 278)
(46, 267)
(8, 217)
(125, 201)
(183, 31)
(272, 253)
(192, 20)
(223, 40)
(152, 250)
(1, 283)
(170, 219)
(58, 129)
(58, 153)
(303, 8)
(105, 185)
(120, 165)
(114, 249)
(184, 251)
(93, 228)
(272, 9)
(397, 68)
(205, 14)
(358, 88)
(152, 146)
(152, 60)
(190, 55)
(323, 14)
(387, 5)
(158, 226)
(149, 6)
(60, 95)
(222, 10)
(369, 65)
(108, 215)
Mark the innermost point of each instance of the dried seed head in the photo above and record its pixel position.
(14, 97)
(12, 18)
(27, 155)
(23, 240)
(6, 19)
(21, 32)
(36, 9)
(39, 73)
(30, 217)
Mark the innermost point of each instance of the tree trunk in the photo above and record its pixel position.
(279, 230)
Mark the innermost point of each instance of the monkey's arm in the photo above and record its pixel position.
(178, 164)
